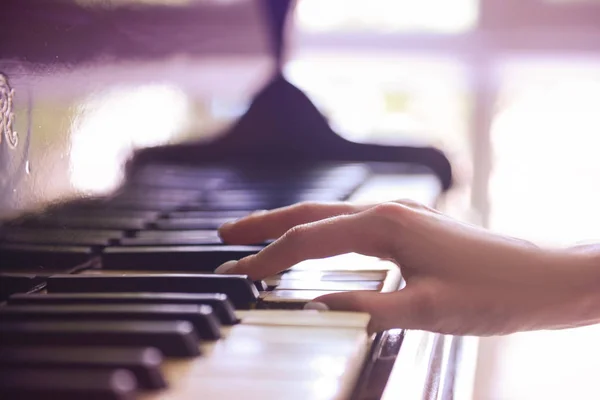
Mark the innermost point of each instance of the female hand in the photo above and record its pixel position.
(460, 279)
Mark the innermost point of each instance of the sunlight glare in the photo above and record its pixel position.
(110, 125)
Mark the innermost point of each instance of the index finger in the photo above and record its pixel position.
(266, 225)
(370, 233)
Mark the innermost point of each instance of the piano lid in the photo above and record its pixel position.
(86, 83)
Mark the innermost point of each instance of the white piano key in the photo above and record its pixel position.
(319, 359)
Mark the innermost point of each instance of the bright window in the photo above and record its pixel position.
(446, 16)
(546, 144)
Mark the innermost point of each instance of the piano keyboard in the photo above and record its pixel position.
(119, 293)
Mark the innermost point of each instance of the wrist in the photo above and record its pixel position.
(578, 300)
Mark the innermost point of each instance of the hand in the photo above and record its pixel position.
(460, 279)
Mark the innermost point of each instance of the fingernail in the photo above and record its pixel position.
(228, 223)
(315, 305)
(257, 212)
(226, 266)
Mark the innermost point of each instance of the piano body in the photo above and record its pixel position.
(130, 130)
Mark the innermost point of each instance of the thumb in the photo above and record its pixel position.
(387, 310)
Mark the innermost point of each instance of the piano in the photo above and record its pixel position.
(130, 130)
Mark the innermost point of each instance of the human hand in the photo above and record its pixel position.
(460, 279)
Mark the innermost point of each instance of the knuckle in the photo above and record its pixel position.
(413, 204)
(385, 222)
(408, 202)
(389, 211)
(306, 207)
(295, 234)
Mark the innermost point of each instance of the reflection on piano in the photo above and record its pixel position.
(114, 296)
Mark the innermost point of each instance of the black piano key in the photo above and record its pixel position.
(173, 238)
(235, 205)
(104, 210)
(209, 214)
(201, 317)
(44, 257)
(136, 192)
(166, 177)
(198, 223)
(238, 288)
(158, 234)
(261, 286)
(174, 258)
(87, 222)
(66, 384)
(172, 338)
(157, 205)
(143, 362)
(254, 197)
(51, 236)
(11, 283)
(220, 304)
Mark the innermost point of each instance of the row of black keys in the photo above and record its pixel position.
(108, 221)
(160, 199)
(105, 327)
(197, 198)
(199, 258)
(97, 344)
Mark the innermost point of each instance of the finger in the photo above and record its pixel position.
(387, 310)
(267, 225)
(372, 233)
(416, 205)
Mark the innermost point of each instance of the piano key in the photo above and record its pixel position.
(43, 257)
(172, 338)
(176, 258)
(243, 204)
(339, 319)
(104, 210)
(165, 177)
(201, 317)
(220, 304)
(254, 197)
(319, 276)
(238, 288)
(272, 282)
(208, 214)
(334, 276)
(175, 182)
(59, 384)
(261, 286)
(199, 223)
(61, 236)
(173, 238)
(11, 283)
(158, 234)
(329, 285)
(143, 362)
(269, 357)
(157, 205)
(290, 299)
(143, 192)
(87, 222)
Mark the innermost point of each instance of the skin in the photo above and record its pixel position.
(460, 279)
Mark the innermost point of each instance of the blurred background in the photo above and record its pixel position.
(508, 89)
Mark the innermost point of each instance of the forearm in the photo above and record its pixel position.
(577, 301)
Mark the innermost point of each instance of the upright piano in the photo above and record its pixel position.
(130, 130)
